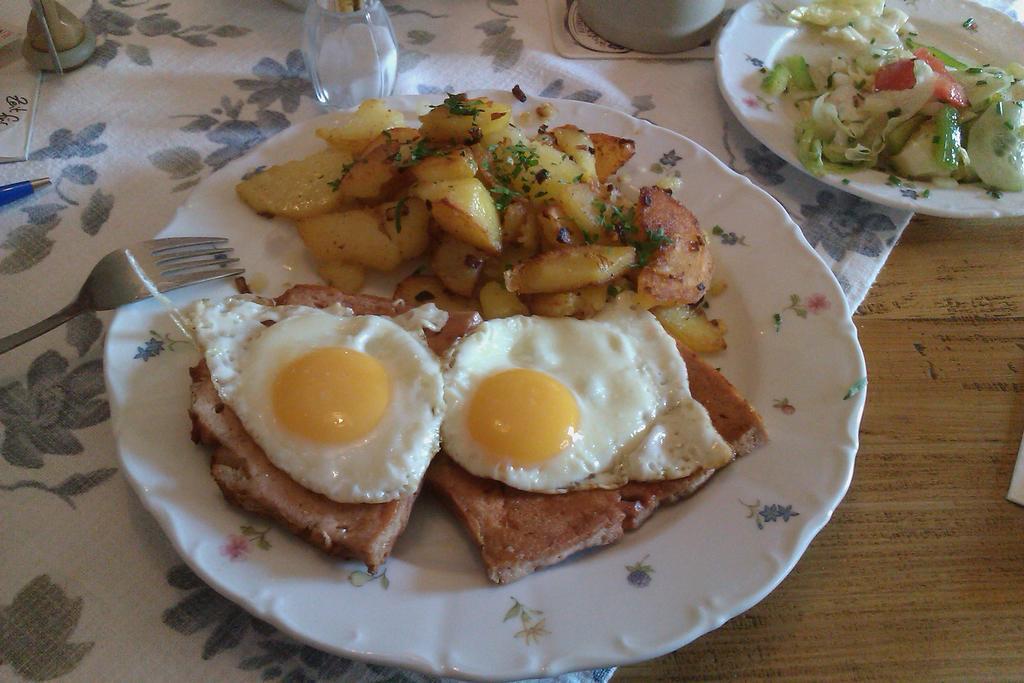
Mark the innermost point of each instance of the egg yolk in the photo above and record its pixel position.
(522, 416)
(331, 395)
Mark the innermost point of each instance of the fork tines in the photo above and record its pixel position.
(182, 257)
(192, 259)
(166, 243)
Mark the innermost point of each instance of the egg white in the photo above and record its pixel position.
(638, 420)
(244, 356)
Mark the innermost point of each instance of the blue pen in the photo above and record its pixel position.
(15, 191)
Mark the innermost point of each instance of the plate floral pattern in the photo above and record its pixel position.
(431, 608)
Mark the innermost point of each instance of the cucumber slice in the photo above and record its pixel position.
(800, 73)
(809, 149)
(897, 138)
(996, 146)
(947, 138)
(777, 80)
(917, 159)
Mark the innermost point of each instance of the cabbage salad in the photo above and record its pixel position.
(888, 101)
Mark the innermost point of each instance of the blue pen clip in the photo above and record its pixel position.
(15, 191)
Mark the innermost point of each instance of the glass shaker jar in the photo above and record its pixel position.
(351, 56)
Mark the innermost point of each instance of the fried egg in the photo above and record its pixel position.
(552, 405)
(349, 406)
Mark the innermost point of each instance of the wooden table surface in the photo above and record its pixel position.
(920, 573)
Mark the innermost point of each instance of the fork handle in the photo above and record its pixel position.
(59, 318)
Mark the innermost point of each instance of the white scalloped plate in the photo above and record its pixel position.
(712, 557)
(758, 34)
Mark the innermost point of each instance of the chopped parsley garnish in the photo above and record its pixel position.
(623, 223)
(893, 113)
(503, 196)
(994, 194)
(613, 291)
(334, 184)
(522, 158)
(894, 181)
(588, 237)
(399, 210)
(926, 194)
(512, 166)
(420, 151)
(458, 105)
(656, 239)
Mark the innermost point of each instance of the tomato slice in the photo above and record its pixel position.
(899, 75)
(949, 91)
(934, 62)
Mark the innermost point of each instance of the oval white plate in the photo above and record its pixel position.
(758, 34)
(712, 557)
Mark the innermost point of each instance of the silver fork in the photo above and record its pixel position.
(117, 279)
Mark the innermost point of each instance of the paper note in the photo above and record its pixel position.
(1016, 492)
(7, 36)
(19, 90)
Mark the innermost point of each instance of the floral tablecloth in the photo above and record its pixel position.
(90, 588)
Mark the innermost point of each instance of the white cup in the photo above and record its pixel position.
(653, 25)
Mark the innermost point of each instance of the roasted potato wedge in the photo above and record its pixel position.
(457, 265)
(511, 254)
(569, 269)
(679, 271)
(370, 120)
(462, 121)
(555, 230)
(592, 300)
(406, 222)
(582, 205)
(498, 302)
(554, 305)
(583, 303)
(545, 169)
(519, 225)
(426, 289)
(578, 146)
(354, 236)
(465, 209)
(503, 135)
(348, 277)
(689, 326)
(455, 164)
(376, 172)
(610, 153)
(297, 189)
